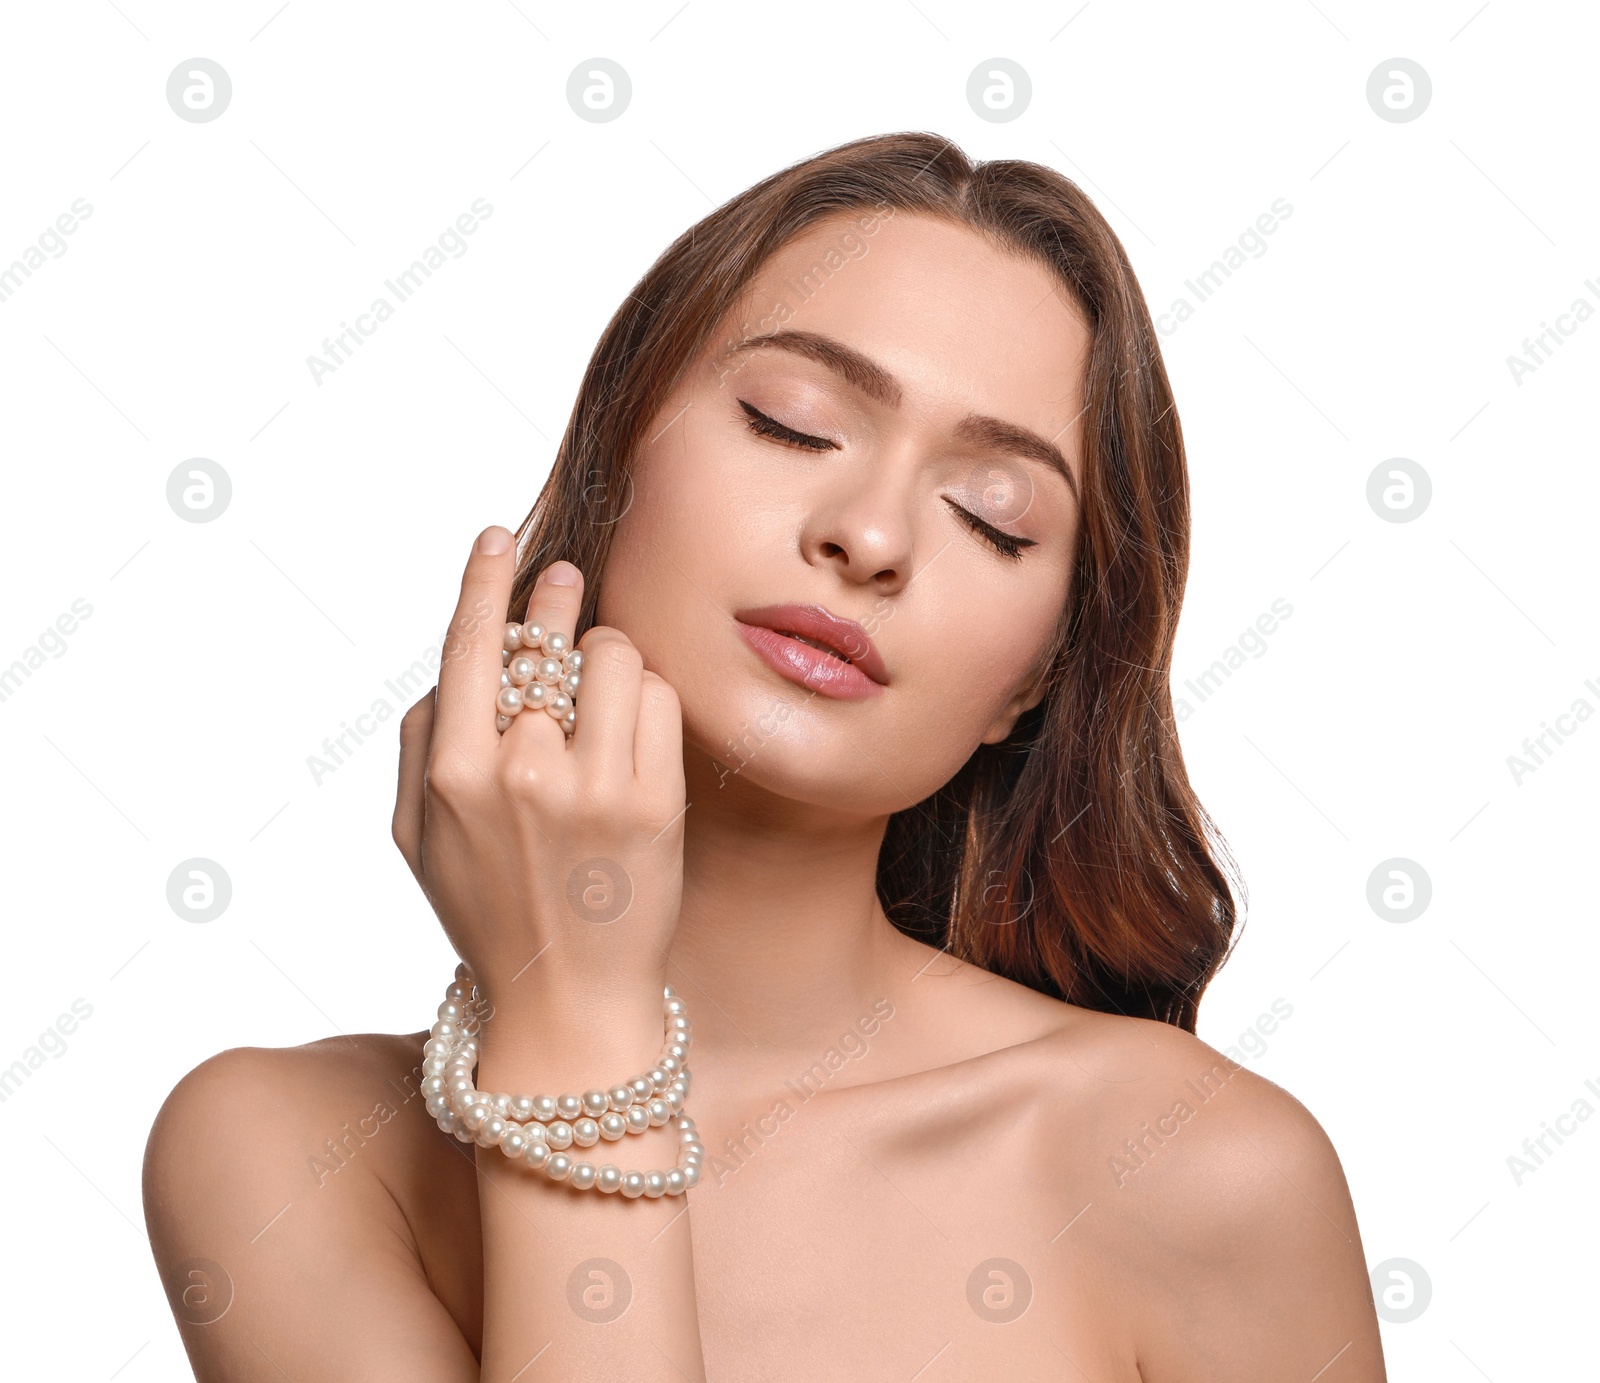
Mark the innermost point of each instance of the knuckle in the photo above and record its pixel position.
(448, 782)
(414, 722)
(521, 778)
(616, 657)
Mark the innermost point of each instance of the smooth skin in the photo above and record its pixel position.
(917, 1168)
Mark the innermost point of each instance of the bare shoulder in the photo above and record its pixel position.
(1220, 1199)
(279, 1186)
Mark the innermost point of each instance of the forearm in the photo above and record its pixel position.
(574, 1277)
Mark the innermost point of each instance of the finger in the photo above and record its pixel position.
(416, 730)
(554, 602)
(612, 673)
(658, 741)
(469, 670)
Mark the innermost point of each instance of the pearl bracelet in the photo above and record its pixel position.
(554, 1124)
(529, 681)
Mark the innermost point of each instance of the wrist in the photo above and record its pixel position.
(561, 1041)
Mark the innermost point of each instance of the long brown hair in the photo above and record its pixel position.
(1073, 857)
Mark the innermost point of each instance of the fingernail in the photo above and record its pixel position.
(494, 540)
(561, 574)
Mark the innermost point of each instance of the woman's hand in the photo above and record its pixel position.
(554, 865)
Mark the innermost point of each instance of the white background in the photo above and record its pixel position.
(218, 656)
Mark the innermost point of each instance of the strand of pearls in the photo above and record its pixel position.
(537, 1129)
(538, 668)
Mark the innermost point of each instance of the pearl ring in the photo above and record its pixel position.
(538, 667)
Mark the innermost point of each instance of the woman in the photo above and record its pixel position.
(872, 516)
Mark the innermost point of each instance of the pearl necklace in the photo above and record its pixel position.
(529, 681)
(536, 1129)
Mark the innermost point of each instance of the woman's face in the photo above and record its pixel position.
(903, 453)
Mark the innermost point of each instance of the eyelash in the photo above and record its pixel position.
(763, 426)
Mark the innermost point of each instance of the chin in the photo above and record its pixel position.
(807, 750)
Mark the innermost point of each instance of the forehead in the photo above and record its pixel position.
(961, 320)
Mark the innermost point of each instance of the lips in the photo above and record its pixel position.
(817, 649)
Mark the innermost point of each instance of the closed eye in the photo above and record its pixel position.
(997, 538)
(764, 426)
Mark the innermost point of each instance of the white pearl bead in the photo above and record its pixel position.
(509, 701)
(532, 635)
(535, 695)
(637, 1118)
(537, 1152)
(475, 1116)
(449, 1123)
(558, 704)
(632, 1184)
(513, 637)
(620, 1096)
(660, 1112)
(585, 1133)
(570, 1106)
(554, 644)
(570, 683)
(572, 662)
(675, 1005)
(674, 1099)
(559, 1134)
(492, 1132)
(655, 1184)
(502, 723)
(676, 1185)
(458, 991)
(520, 670)
(583, 1175)
(544, 1108)
(522, 1107)
(548, 671)
(595, 1103)
(609, 1178)
(613, 1126)
(514, 1142)
(691, 1176)
(559, 1167)
(643, 1088)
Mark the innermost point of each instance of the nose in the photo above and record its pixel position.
(861, 523)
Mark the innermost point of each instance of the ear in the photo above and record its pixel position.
(1027, 697)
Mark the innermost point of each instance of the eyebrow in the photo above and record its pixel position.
(871, 379)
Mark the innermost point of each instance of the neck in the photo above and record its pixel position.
(781, 933)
